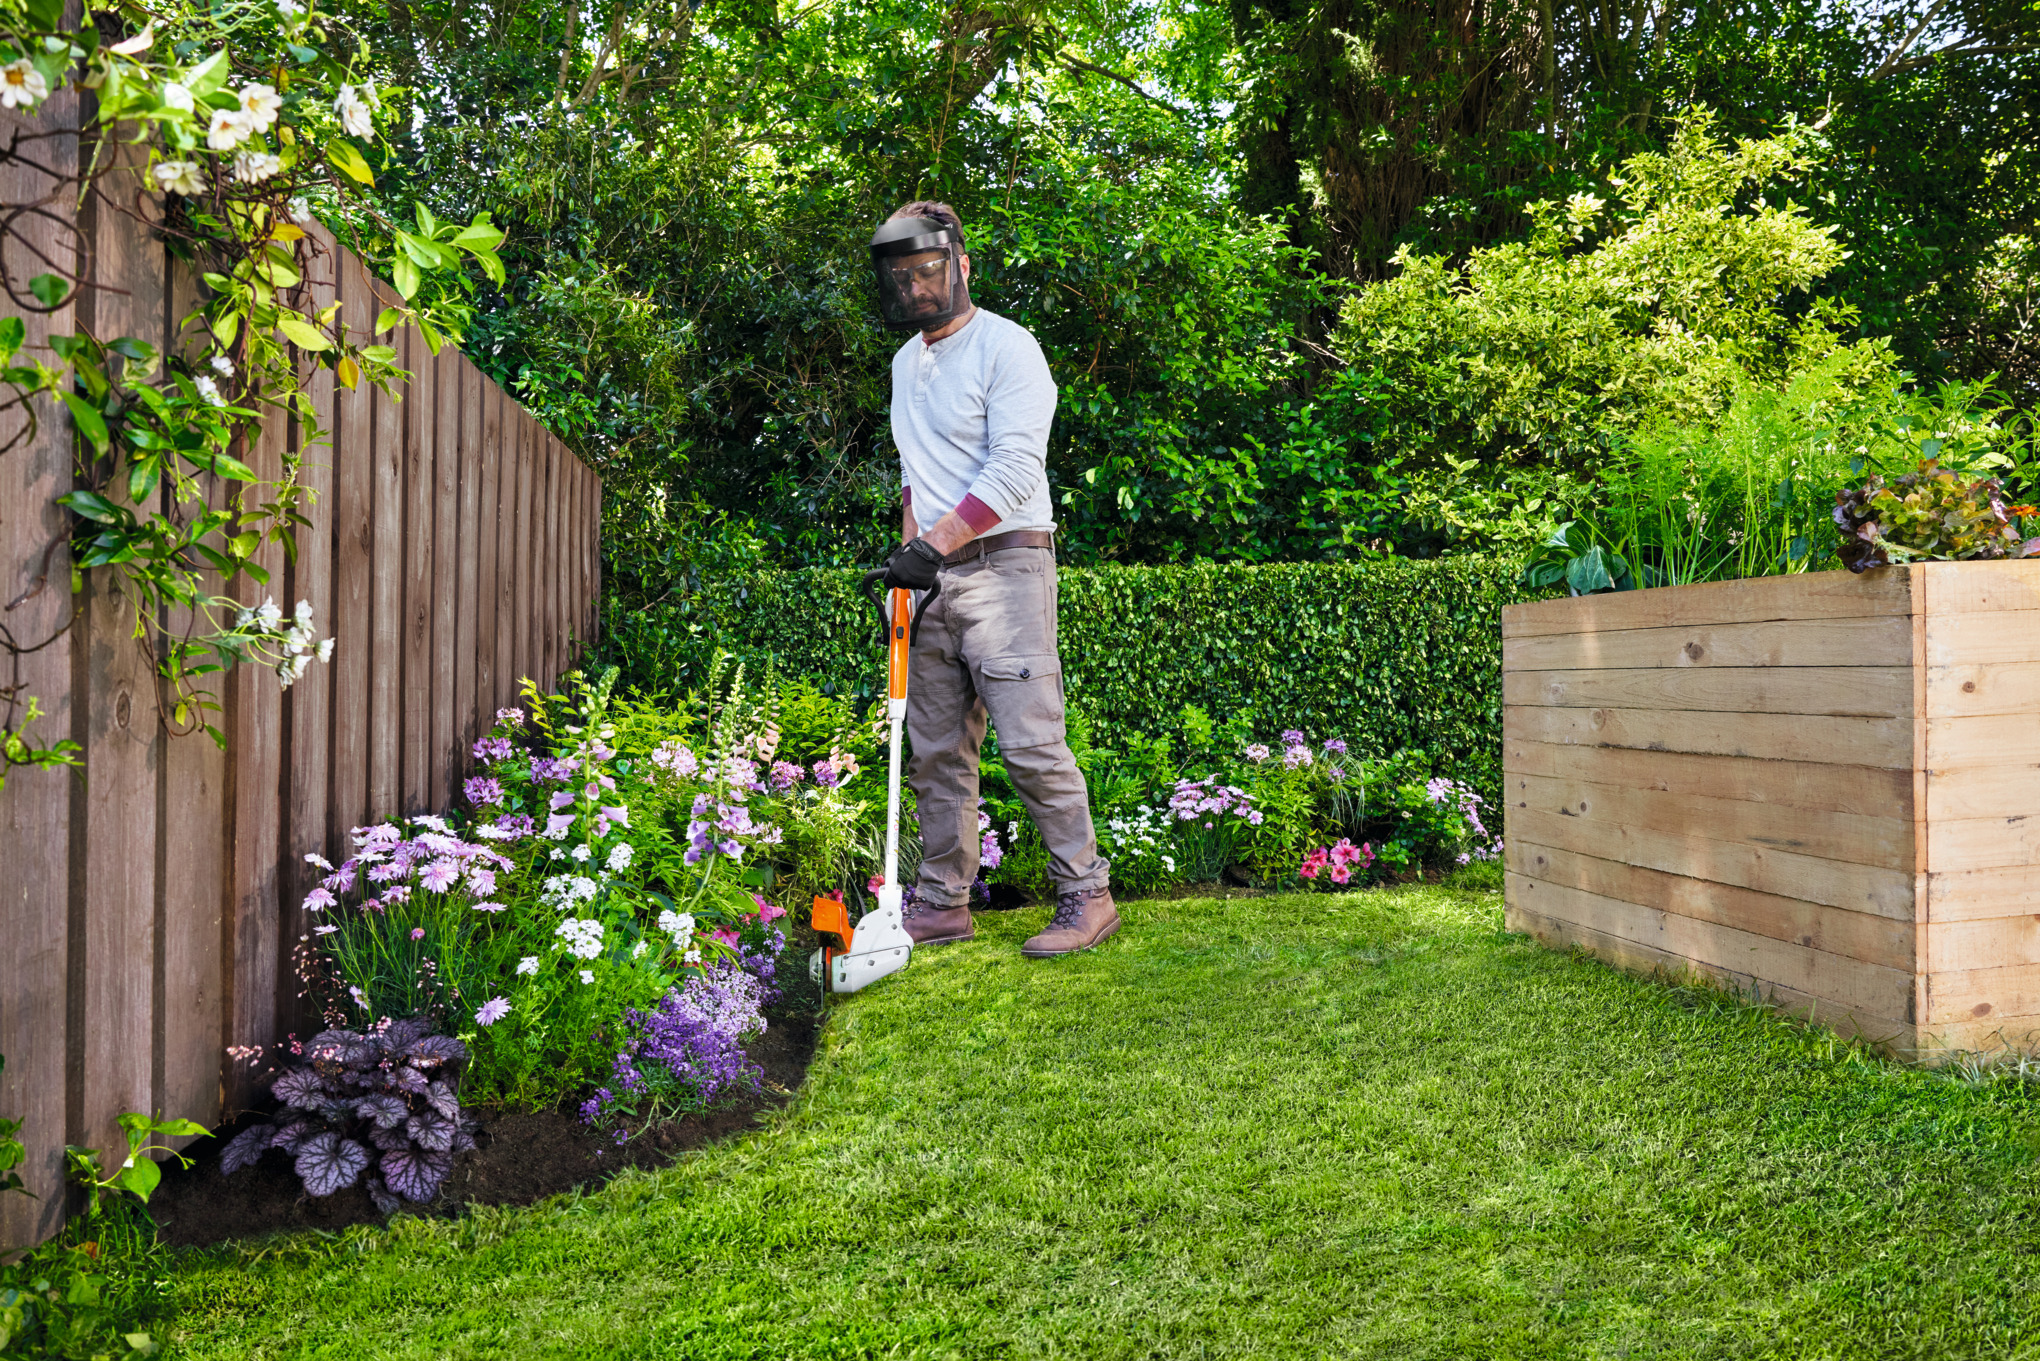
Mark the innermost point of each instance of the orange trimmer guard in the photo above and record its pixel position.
(830, 918)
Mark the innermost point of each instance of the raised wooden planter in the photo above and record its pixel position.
(1825, 785)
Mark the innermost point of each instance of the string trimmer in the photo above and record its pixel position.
(879, 944)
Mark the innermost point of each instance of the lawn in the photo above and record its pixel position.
(1298, 1126)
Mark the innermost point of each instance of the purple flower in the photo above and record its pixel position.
(319, 899)
(481, 881)
(549, 768)
(785, 775)
(1335, 746)
(417, 933)
(488, 907)
(1292, 738)
(484, 791)
(989, 853)
(515, 826)
(494, 749)
(440, 875)
(511, 716)
(1257, 753)
(492, 1011)
(825, 774)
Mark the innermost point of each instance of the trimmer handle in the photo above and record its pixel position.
(872, 589)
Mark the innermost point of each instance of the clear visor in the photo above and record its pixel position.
(920, 289)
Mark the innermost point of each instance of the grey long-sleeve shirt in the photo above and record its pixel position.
(971, 415)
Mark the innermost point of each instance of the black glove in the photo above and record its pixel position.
(912, 567)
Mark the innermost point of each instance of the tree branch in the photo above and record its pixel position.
(1885, 67)
(1081, 67)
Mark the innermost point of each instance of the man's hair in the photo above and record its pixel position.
(941, 212)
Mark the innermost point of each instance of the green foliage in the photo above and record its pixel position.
(1929, 515)
(1607, 319)
(95, 1292)
(1390, 655)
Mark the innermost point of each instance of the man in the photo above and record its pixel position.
(971, 406)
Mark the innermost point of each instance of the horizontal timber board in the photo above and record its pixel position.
(1981, 688)
(1880, 742)
(1983, 843)
(1885, 842)
(1979, 587)
(1874, 791)
(1881, 640)
(1639, 958)
(1985, 740)
(1984, 942)
(1835, 883)
(1983, 791)
(2001, 994)
(1973, 894)
(1856, 935)
(1982, 639)
(1850, 984)
(1811, 595)
(1989, 1035)
(1833, 691)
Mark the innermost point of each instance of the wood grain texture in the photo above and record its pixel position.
(421, 429)
(1881, 842)
(1565, 934)
(1885, 743)
(1952, 588)
(1828, 691)
(352, 422)
(195, 870)
(488, 535)
(1859, 935)
(259, 959)
(387, 632)
(445, 709)
(1835, 883)
(1823, 595)
(1869, 791)
(465, 702)
(1853, 984)
(1884, 640)
(2004, 993)
(113, 891)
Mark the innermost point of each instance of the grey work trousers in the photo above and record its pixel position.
(987, 646)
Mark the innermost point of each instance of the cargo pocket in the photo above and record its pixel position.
(1024, 696)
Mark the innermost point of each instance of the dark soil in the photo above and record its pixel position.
(521, 1156)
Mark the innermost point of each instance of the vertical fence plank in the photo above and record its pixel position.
(549, 578)
(420, 433)
(504, 454)
(255, 739)
(308, 708)
(466, 677)
(352, 420)
(35, 807)
(526, 543)
(488, 534)
(196, 873)
(113, 892)
(446, 555)
(386, 605)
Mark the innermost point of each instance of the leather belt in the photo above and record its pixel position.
(992, 543)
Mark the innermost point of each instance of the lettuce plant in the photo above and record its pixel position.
(385, 1097)
(1926, 515)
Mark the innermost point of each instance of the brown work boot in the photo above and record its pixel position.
(1081, 920)
(930, 924)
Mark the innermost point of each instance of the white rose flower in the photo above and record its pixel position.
(21, 85)
(301, 211)
(259, 105)
(209, 391)
(353, 113)
(253, 167)
(326, 650)
(222, 365)
(179, 177)
(227, 129)
(176, 96)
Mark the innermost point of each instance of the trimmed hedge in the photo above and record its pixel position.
(1388, 655)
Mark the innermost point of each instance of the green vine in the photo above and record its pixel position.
(230, 129)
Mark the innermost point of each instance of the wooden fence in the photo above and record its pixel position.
(149, 901)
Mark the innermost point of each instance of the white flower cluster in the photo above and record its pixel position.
(528, 965)
(619, 857)
(680, 926)
(1143, 835)
(583, 936)
(562, 891)
(265, 621)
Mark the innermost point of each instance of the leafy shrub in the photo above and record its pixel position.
(1393, 654)
(387, 1096)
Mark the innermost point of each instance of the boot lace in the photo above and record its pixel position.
(1069, 909)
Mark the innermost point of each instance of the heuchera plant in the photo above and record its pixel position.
(386, 1097)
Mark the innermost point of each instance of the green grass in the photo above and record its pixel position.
(1370, 1125)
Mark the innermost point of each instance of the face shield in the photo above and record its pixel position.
(918, 261)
